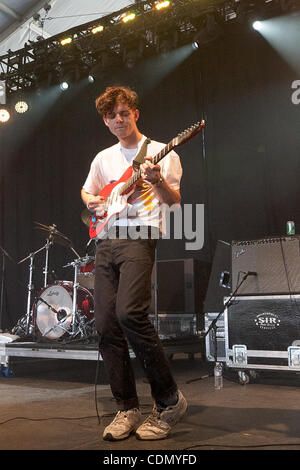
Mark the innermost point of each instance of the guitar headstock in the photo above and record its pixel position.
(188, 134)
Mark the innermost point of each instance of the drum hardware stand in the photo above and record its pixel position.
(46, 269)
(4, 255)
(58, 324)
(75, 315)
(30, 283)
(213, 326)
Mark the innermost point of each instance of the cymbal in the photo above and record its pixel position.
(54, 234)
(86, 217)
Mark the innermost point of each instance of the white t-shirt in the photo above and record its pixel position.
(109, 165)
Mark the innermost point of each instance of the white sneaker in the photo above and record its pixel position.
(124, 423)
(159, 424)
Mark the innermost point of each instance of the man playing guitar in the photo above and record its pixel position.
(123, 271)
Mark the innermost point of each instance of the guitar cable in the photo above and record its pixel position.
(96, 380)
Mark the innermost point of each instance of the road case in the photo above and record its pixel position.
(263, 332)
(212, 345)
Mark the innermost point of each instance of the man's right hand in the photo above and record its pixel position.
(95, 202)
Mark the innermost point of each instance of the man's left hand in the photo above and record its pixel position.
(149, 171)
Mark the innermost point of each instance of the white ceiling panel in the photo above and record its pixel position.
(17, 25)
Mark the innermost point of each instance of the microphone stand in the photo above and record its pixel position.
(4, 255)
(213, 326)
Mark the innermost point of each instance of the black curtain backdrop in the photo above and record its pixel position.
(244, 167)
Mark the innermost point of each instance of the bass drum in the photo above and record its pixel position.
(53, 310)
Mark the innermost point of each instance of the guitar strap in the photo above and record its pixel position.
(140, 158)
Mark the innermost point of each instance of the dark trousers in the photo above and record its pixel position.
(122, 298)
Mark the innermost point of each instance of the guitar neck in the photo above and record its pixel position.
(137, 175)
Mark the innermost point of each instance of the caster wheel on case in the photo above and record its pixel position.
(243, 378)
(8, 373)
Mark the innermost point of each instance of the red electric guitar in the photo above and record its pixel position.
(116, 194)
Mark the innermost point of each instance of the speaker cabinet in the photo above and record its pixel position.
(181, 286)
(276, 262)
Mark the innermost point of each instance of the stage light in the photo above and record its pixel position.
(97, 29)
(91, 79)
(4, 115)
(21, 107)
(65, 41)
(162, 5)
(64, 86)
(129, 17)
(195, 45)
(257, 25)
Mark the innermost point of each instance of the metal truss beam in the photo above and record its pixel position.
(25, 68)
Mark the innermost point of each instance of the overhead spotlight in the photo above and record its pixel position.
(91, 79)
(162, 5)
(64, 86)
(66, 41)
(129, 17)
(257, 25)
(21, 107)
(4, 115)
(195, 45)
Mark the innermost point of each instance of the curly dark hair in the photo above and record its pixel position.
(106, 102)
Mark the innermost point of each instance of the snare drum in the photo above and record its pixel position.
(53, 310)
(86, 278)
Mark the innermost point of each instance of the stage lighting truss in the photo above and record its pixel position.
(81, 47)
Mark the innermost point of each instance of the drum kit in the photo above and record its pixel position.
(63, 310)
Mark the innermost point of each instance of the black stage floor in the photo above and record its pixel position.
(50, 404)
